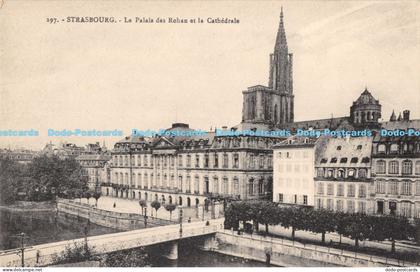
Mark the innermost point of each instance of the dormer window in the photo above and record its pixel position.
(394, 148)
(359, 147)
(365, 160)
(339, 147)
(354, 160)
(343, 160)
(324, 160)
(381, 148)
(333, 160)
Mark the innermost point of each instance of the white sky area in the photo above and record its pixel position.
(147, 76)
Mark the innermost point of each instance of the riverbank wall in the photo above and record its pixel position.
(111, 219)
(292, 254)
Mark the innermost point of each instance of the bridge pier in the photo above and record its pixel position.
(209, 243)
(170, 250)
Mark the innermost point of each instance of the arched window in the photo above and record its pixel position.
(380, 167)
(393, 167)
(330, 173)
(393, 187)
(394, 148)
(340, 173)
(407, 167)
(380, 187)
(350, 173)
(406, 188)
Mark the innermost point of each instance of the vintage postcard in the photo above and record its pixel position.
(209, 134)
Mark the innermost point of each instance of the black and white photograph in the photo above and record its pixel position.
(209, 134)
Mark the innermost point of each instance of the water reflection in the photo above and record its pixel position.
(44, 227)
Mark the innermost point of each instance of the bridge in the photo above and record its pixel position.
(42, 255)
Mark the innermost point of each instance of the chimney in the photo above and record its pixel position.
(406, 115)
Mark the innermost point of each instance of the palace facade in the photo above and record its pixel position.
(187, 170)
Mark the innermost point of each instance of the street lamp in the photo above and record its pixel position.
(180, 221)
(145, 217)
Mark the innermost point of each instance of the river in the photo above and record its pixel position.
(48, 226)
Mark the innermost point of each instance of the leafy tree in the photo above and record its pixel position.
(266, 213)
(231, 218)
(321, 221)
(155, 205)
(80, 252)
(357, 227)
(170, 208)
(397, 228)
(87, 195)
(291, 218)
(96, 196)
(340, 223)
(143, 204)
(51, 176)
(10, 178)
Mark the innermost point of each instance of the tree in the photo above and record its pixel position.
(80, 252)
(156, 205)
(142, 204)
(357, 227)
(340, 223)
(291, 218)
(48, 177)
(321, 221)
(96, 196)
(397, 228)
(10, 177)
(87, 195)
(170, 208)
(265, 213)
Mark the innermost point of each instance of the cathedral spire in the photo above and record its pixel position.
(281, 41)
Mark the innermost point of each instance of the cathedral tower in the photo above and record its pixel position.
(273, 105)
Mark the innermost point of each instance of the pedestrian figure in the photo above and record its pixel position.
(114, 204)
(189, 219)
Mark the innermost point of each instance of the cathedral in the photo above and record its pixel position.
(272, 107)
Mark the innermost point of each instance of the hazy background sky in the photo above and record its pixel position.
(147, 76)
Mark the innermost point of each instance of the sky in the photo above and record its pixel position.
(148, 76)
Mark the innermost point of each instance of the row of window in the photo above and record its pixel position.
(293, 167)
(295, 199)
(293, 154)
(395, 148)
(210, 185)
(351, 190)
(394, 187)
(394, 167)
(254, 161)
(345, 159)
(342, 173)
(339, 205)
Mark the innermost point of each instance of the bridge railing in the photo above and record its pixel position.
(43, 254)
